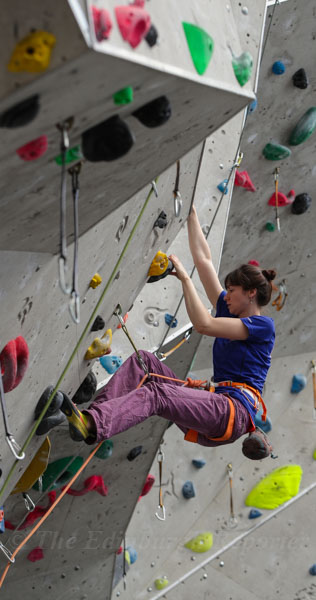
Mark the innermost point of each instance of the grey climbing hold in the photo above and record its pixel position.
(301, 204)
(254, 513)
(188, 490)
(134, 453)
(300, 79)
(161, 221)
(199, 463)
(298, 383)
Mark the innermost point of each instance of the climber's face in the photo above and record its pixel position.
(238, 300)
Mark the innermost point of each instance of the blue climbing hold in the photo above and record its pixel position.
(254, 513)
(298, 383)
(252, 106)
(188, 490)
(278, 67)
(199, 463)
(111, 363)
(312, 569)
(132, 554)
(171, 320)
(222, 187)
(266, 425)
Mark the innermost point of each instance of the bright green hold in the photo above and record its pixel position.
(105, 450)
(201, 543)
(270, 226)
(276, 488)
(314, 454)
(242, 66)
(127, 557)
(71, 155)
(201, 46)
(51, 478)
(304, 127)
(275, 152)
(124, 96)
(161, 583)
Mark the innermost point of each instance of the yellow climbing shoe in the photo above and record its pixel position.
(77, 420)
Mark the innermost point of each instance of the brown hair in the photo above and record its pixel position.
(250, 277)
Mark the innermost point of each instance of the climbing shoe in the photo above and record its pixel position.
(53, 415)
(77, 421)
(257, 446)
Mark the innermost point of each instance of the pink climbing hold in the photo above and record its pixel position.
(120, 550)
(35, 554)
(150, 480)
(134, 23)
(283, 200)
(34, 149)
(102, 23)
(254, 262)
(242, 179)
(13, 361)
(93, 483)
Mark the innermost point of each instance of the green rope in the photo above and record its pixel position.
(76, 348)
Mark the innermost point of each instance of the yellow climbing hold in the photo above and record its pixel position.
(127, 557)
(100, 346)
(33, 53)
(276, 488)
(201, 543)
(95, 281)
(161, 583)
(314, 454)
(35, 469)
(158, 265)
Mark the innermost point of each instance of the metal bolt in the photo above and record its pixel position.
(221, 166)
(205, 576)
(221, 564)
(77, 568)
(192, 557)
(152, 564)
(118, 593)
(244, 10)
(149, 589)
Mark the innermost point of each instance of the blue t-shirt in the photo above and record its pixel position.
(243, 361)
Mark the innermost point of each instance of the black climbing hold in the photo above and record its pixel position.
(86, 390)
(155, 113)
(161, 221)
(107, 141)
(20, 114)
(53, 415)
(134, 452)
(301, 204)
(300, 79)
(152, 36)
(98, 324)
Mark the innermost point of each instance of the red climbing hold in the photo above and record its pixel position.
(39, 511)
(35, 554)
(102, 23)
(242, 179)
(95, 482)
(254, 262)
(134, 23)
(14, 360)
(283, 200)
(150, 480)
(34, 149)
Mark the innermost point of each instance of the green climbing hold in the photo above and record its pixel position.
(276, 488)
(275, 151)
(161, 583)
(304, 127)
(270, 226)
(123, 96)
(242, 66)
(314, 454)
(201, 543)
(58, 473)
(105, 450)
(201, 46)
(127, 557)
(71, 155)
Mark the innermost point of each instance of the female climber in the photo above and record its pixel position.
(242, 349)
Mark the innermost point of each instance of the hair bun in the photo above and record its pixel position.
(269, 274)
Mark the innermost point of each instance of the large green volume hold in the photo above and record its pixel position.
(304, 127)
(275, 151)
(201, 46)
(58, 473)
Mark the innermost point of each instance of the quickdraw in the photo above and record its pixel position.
(232, 520)
(313, 367)
(161, 511)
(62, 263)
(282, 296)
(13, 445)
(176, 193)
(276, 183)
(163, 355)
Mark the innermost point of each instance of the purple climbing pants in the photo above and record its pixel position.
(120, 405)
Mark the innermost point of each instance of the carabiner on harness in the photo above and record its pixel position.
(13, 445)
(161, 511)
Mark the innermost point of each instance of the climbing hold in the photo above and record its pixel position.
(35, 514)
(127, 557)
(134, 23)
(252, 106)
(35, 554)
(223, 187)
(301, 204)
(242, 179)
(273, 151)
(107, 141)
(298, 383)
(266, 425)
(312, 569)
(14, 360)
(161, 582)
(99, 347)
(111, 363)
(35, 469)
(200, 44)
(154, 113)
(300, 79)
(133, 555)
(170, 320)
(71, 154)
(53, 415)
(33, 53)
(188, 490)
(34, 149)
(134, 452)
(276, 488)
(283, 200)
(105, 450)
(304, 128)
(242, 66)
(102, 23)
(98, 324)
(314, 454)
(21, 114)
(93, 483)
(2, 522)
(58, 473)
(151, 36)
(161, 221)
(278, 67)
(270, 226)
(150, 480)
(254, 513)
(201, 543)
(123, 96)
(254, 262)
(198, 463)
(95, 281)
(160, 267)
(86, 390)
